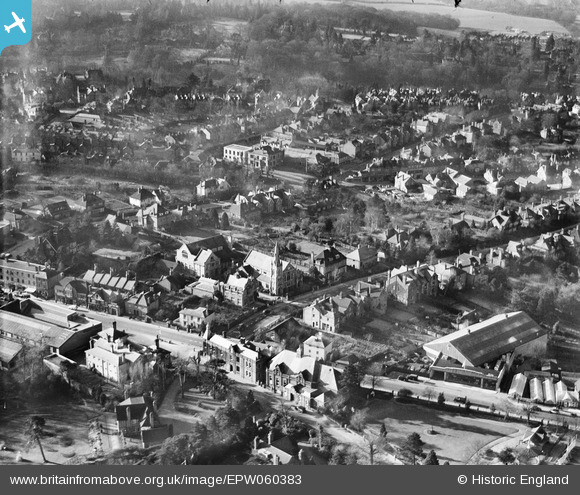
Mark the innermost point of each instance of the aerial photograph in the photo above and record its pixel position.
(290, 232)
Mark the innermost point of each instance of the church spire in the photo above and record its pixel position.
(276, 254)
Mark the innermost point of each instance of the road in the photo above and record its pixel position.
(476, 396)
(295, 179)
(180, 343)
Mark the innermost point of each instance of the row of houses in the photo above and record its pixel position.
(300, 376)
(108, 293)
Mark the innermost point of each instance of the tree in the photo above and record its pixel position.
(359, 419)
(405, 393)
(193, 80)
(413, 446)
(506, 456)
(441, 398)
(550, 43)
(182, 370)
(36, 431)
(224, 221)
(216, 380)
(383, 431)
(431, 459)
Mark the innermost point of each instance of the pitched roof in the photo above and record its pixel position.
(489, 339)
(362, 253)
(8, 349)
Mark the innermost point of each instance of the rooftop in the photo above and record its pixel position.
(489, 339)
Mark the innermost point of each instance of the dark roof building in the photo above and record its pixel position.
(482, 354)
(485, 341)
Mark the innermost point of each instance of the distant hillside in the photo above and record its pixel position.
(489, 15)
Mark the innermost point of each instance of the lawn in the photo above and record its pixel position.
(456, 437)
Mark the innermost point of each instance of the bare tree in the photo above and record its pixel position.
(36, 431)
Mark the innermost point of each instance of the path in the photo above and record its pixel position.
(182, 422)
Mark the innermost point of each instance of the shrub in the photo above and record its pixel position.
(405, 393)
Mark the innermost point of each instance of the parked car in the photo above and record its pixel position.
(403, 378)
(460, 400)
(413, 378)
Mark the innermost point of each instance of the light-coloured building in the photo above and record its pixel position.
(241, 291)
(16, 274)
(237, 153)
(202, 262)
(193, 318)
(318, 347)
(112, 357)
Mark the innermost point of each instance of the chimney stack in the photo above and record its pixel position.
(270, 437)
(128, 413)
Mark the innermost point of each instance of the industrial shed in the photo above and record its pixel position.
(482, 353)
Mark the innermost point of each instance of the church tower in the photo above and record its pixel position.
(276, 287)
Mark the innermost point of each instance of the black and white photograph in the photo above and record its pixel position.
(290, 232)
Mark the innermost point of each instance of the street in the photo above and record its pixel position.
(430, 389)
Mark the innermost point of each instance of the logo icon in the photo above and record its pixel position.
(16, 17)
(17, 23)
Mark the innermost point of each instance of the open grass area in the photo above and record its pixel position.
(456, 438)
(496, 22)
(65, 433)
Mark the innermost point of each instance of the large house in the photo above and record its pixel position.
(266, 159)
(237, 153)
(318, 346)
(275, 276)
(142, 304)
(330, 263)
(409, 285)
(323, 314)
(194, 318)
(211, 186)
(211, 257)
(144, 198)
(154, 217)
(242, 358)
(362, 258)
(202, 262)
(241, 291)
(302, 379)
(113, 357)
(90, 204)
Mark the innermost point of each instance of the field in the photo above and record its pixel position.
(229, 26)
(469, 18)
